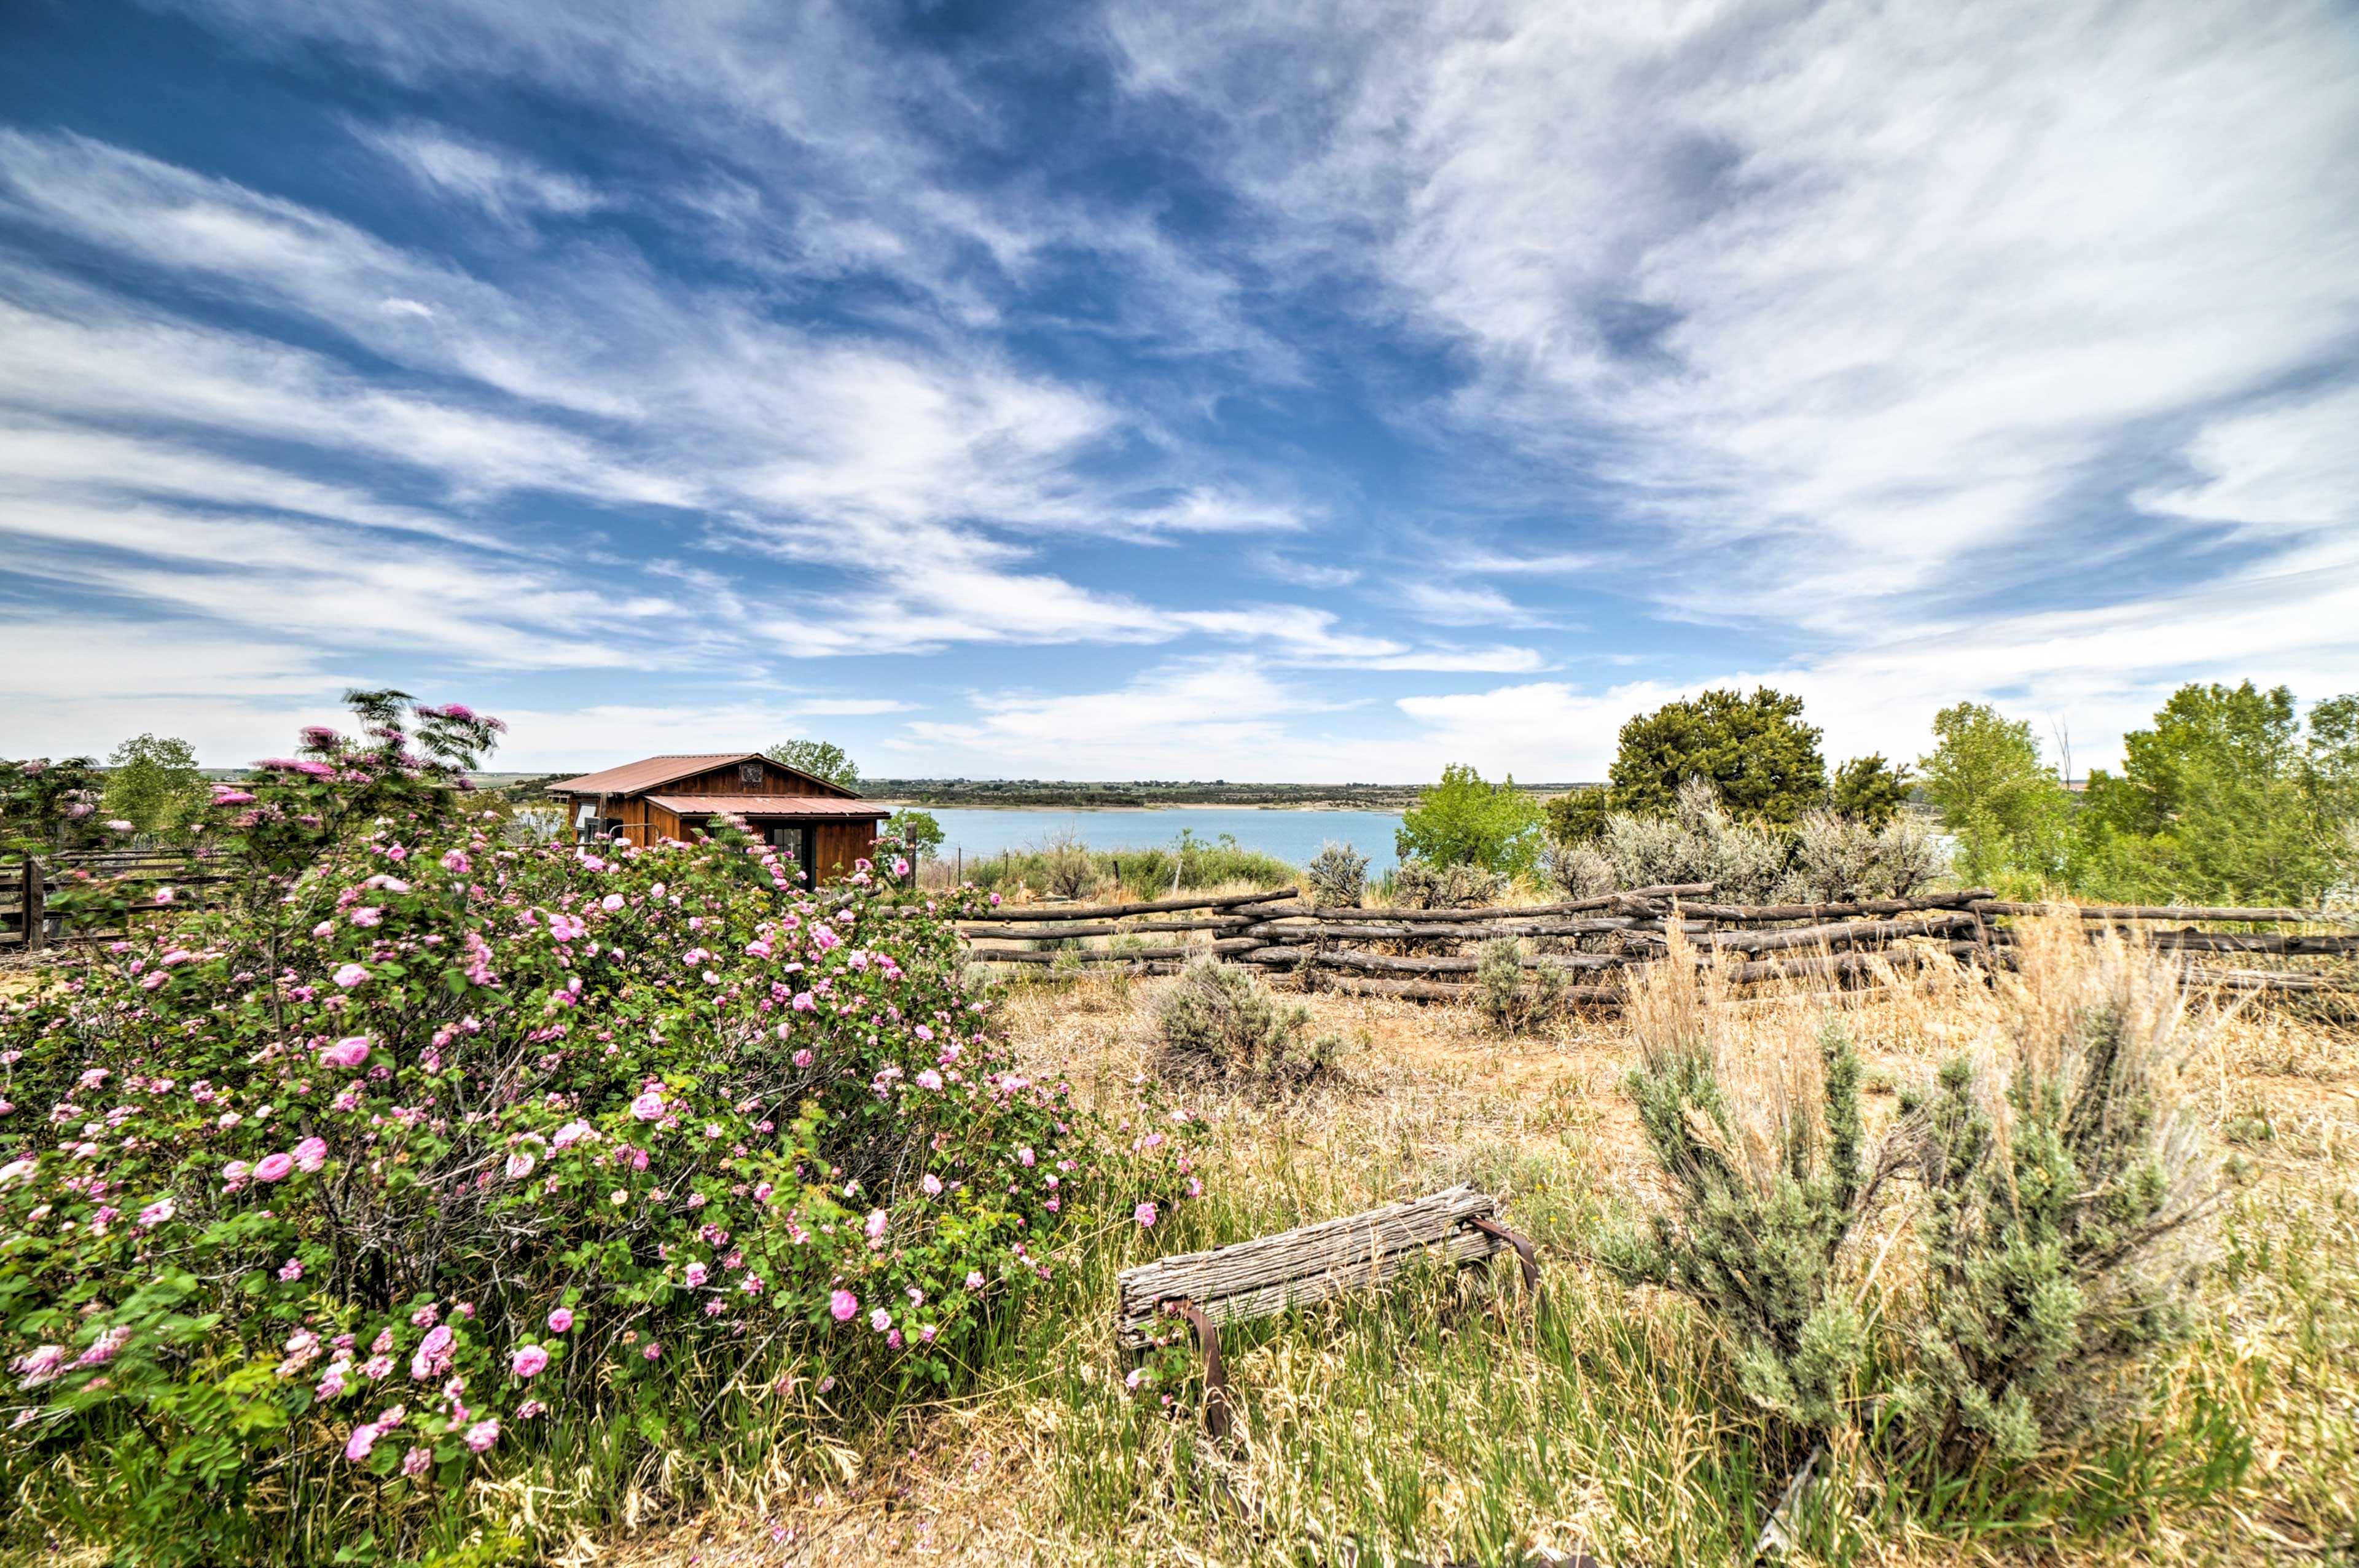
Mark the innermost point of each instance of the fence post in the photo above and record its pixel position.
(37, 920)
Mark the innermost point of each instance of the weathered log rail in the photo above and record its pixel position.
(1425, 954)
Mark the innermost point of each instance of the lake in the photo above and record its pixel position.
(1293, 835)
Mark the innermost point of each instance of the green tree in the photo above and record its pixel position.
(1870, 790)
(918, 830)
(1755, 750)
(1578, 816)
(2225, 799)
(820, 758)
(153, 783)
(2009, 810)
(1464, 821)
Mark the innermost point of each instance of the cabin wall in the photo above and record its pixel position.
(842, 843)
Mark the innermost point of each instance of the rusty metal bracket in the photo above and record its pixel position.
(1524, 1254)
(1216, 1385)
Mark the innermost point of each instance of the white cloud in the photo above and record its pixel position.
(1836, 298)
(503, 183)
(2290, 463)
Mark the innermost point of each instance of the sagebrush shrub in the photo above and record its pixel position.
(1220, 1023)
(1420, 885)
(1580, 869)
(1697, 842)
(428, 1154)
(1512, 997)
(1837, 860)
(1338, 874)
(2063, 1186)
(1770, 1176)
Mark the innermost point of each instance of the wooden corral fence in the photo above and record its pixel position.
(1587, 943)
(29, 886)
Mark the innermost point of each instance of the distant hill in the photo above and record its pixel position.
(1137, 793)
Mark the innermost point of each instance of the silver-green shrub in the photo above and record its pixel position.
(2064, 1187)
(1698, 842)
(1338, 874)
(1420, 884)
(1770, 1176)
(1836, 860)
(1220, 1023)
(1512, 997)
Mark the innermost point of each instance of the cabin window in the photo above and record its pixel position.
(750, 774)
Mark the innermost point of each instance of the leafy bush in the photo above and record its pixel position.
(1463, 821)
(428, 1161)
(1418, 884)
(1511, 997)
(1770, 1177)
(2010, 812)
(1755, 753)
(154, 784)
(820, 758)
(1338, 874)
(46, 806)
(1578, 816)
(1221, 1023)
(2226, 799)
(1870, 791)
(1839, 859)
(919, 832)
(2060, 1202)
(1697, 842)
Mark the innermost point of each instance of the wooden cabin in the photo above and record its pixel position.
(823, 825)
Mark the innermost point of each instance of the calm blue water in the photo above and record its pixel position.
(1291, 836)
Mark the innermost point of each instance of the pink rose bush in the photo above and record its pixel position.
(534, 1159)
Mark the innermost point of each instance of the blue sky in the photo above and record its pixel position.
(1266, 392)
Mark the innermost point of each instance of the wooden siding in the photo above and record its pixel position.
(776, 780)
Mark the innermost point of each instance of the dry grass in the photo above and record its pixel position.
(1421, 1424)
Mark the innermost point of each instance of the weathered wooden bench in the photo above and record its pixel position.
(1299, 1267)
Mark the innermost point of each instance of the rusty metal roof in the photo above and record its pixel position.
(703, 805)
(633, 777)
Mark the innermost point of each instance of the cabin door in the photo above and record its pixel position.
(799, 844)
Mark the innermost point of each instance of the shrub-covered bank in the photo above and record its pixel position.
(428, 1162)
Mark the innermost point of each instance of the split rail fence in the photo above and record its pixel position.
(1588, 944)
(29, 886)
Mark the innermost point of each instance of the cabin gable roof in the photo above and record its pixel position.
(654, 773)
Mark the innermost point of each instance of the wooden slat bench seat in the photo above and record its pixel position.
(1318, 1262)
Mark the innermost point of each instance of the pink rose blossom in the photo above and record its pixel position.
(348, 1052)
(880, 1320)
(695, 1274)
(291, 1271)
(519, 1165)
(529, 1361)
(484, 1434)
(351, 975)
(157, 1213)
(1144, 1214)
(363, 1438)
(274, 1167)
(561, 1319)
(842, 1303)
(416, 1462)
(932, 1185)
(648, 1107)
(311, 1154)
